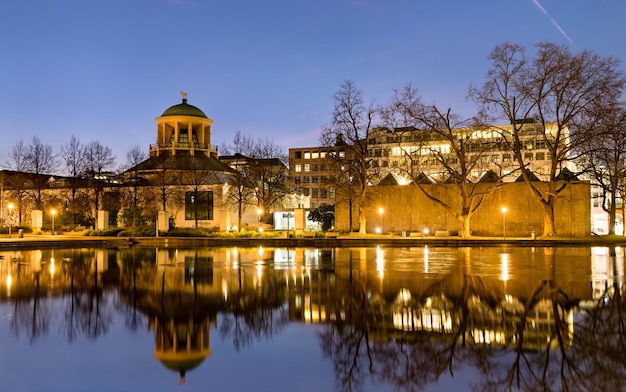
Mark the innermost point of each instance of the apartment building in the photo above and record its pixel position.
(408, 152)
(311, 173)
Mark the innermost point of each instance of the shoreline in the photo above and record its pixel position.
(74, 241)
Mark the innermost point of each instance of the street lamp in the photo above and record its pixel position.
(10, 217)
(53, 212)
(380, 214)
(503, 222)
(259, 212)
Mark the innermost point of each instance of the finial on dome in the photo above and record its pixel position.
(184, 95)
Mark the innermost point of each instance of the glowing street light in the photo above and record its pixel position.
(53, 212)
(259, 212)
(503, 222)
(10, 217)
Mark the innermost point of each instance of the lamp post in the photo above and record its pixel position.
(53, 212)
(10, 217)
(503, 222)
(380, 215)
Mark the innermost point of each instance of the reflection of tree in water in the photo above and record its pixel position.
(30, 315)
(254, 313)
(72, 282)
(459, 321)
(408, 341)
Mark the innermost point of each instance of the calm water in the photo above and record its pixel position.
(278, 319)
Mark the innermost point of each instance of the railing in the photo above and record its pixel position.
(184, 146)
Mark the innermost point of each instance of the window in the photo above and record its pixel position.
(199, 205)
(528, 156)
(323, 193)
(506, 158)
(298, 168)
(316, 167)
(307, 167)
(314, 193)
(495, 158)
(315, 155)
(307, 155)
(298, 154)
(540, 156)
(306, 179)
(314, 179)
(305, 191)
(323, 154)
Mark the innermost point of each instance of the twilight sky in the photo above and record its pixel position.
(104, 70)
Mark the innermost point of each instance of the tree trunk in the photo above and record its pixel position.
(465, 225)
(548, 219)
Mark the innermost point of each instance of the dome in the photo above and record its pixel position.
(184, 109)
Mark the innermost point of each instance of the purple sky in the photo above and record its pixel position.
(104, 70)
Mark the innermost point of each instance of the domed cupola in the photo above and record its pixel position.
(183, 129)
(184, 109)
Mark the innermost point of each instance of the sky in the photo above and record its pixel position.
(105, 69)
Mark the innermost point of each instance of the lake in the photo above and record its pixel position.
(306, 319)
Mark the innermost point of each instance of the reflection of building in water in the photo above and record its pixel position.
(182, 336)
(487, 310)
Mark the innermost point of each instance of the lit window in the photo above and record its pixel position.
(307, 167)
(307, 155)
(323, 154)
(298, 168)
(315, 155)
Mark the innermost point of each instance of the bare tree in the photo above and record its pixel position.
(73, 157)
(346, 137)
(98, 159)
(40, 160)
(604, 156)
(18, 163)
(457, 146)
(263, 175)
(555, 87)
(134, 157)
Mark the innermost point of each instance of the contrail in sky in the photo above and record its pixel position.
(536, 3)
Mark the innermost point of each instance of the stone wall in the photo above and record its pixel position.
(405, 208)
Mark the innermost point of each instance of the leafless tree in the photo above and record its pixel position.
(555, 87)
(73, 158)
(346, 137)
(133, 194)
(98, 159)
(18, 163)
(458, 146)
(604, 156)
(263, 175)
(40, 160)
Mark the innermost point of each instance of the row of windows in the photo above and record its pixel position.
(317, 193)
(315, 154)
(485, 159)
(311, 167)
(311, 179)
(445, 148)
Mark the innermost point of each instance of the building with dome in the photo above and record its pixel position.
(183, 173)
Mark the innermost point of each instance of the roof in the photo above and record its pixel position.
(184, 109)
(182, 162)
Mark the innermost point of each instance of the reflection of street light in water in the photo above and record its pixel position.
(53, 212)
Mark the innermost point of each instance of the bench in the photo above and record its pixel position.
(442, 233)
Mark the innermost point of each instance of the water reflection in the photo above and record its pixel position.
(522, 318)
